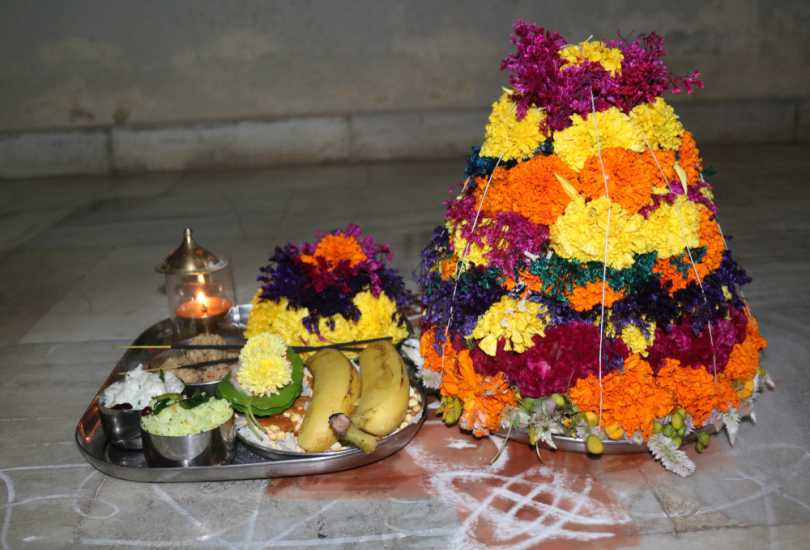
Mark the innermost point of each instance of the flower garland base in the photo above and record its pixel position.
(612, 447)
(577, 445)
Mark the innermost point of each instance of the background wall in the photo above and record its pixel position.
(178, 85)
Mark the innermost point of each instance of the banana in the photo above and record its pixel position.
(385, 390)
(336, 388)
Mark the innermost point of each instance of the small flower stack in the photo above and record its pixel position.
(581, 284)
(335, 290)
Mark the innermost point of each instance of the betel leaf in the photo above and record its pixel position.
(195, 400)
(270, 404)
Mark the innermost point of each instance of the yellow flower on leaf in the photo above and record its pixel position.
(507, 137)
(516, 321)
(583, 138)
(263, 365)
(596, 51)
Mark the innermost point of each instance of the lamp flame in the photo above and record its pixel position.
(201, 297)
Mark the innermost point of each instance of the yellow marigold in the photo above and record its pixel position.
(263, 365)
(516, 321)
(635, 339)
(581, 140)
(531, 189)
(658, 124)
(630, 397)
(711, 238)
(335, 249)
(596, 51)
(484, 397)
(583, 298)
(580, 232)
(672, 227)
(507, 137)
(378, 317)
(476, 253)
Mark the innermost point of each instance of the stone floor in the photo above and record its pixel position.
(77, 279)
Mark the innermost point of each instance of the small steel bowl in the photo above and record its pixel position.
(209, 448)
(122, 426)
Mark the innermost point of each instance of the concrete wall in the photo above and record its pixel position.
(173, 85)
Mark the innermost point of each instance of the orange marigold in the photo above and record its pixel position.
(447, 268)
(696, 390)
(690, 158)
(531, 189)
(532, 282)
(484, 397)
(584, 297)
(630, 398)
(710, 237)
(335, 249)
(631, 176)
(433, 360)
(744, 359)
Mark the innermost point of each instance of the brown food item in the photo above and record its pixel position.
(211, 373)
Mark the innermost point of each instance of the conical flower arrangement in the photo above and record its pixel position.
(581, 284)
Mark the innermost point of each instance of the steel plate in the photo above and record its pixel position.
(247, 464)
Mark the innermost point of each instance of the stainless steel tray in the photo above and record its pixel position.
(577, 445)
(131, 465)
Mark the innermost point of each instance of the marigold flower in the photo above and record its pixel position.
(696, 390)
(530, 189)
(744, 359)
(690, 158)
(508, 138)
(484, 397)
(595, 51)
(432, 358)
(583, 138)
(630, 398)
(378, 317)
(335, 249)
(632, 177)
(658, 124)
(447, 267)
(466, 250)
(583, 298)
(514, 321)
(711, 239)
(637, 340)
(263, 365)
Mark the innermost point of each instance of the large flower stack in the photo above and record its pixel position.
(337, 289)
(581, 284)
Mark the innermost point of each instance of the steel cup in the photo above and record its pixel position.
(203, 449)
(122, 426)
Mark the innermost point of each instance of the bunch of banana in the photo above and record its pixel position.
(386, 389)
(335, 389)
(360, 407)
